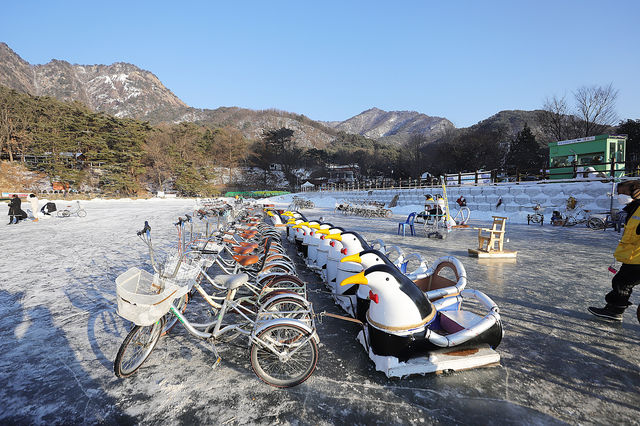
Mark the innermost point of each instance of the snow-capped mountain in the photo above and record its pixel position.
(120, 89)
(376, 123)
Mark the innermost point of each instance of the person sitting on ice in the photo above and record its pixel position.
(627, 252)
(462, 202)
(434, 207)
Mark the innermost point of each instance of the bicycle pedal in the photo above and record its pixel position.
(217, 363)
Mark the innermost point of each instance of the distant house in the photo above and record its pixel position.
(343, 173)
(76, 160)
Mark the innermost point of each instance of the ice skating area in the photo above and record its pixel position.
(558, 363)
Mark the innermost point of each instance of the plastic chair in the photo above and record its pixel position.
(409, 222)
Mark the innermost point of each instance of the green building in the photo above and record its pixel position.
(587, 154)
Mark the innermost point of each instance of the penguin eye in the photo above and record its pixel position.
(377, 259)
(387, 278)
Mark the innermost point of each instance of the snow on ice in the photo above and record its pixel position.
(60, 332)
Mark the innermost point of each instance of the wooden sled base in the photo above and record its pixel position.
(493, 254)
(439, 361)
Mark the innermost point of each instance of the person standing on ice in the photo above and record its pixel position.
(33, 200)
(627, 252)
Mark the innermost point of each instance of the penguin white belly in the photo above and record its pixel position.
(396, 313)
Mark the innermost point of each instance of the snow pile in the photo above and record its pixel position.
(517, 200)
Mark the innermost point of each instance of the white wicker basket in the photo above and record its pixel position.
(144, 298)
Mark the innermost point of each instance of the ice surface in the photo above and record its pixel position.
(60, 335)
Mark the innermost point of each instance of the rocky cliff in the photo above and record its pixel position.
(119, 89)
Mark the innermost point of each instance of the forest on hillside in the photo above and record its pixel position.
(72, 145)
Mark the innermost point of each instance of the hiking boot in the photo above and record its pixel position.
(605, 313)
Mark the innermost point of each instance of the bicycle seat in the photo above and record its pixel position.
(243, 249)
(231, 282)
(247, 244)
(247, 260)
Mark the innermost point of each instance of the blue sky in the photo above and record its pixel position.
(464, 60)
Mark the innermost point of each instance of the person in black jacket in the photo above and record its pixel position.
(14, 209)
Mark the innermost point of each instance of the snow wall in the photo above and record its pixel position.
(517, 199)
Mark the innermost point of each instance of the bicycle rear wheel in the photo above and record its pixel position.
(136, 348)
(287, 307)
(280, 285)
(292, 368)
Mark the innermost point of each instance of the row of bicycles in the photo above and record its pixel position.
(299, 203)
(579, 216)
(363, 209)
(249, 287)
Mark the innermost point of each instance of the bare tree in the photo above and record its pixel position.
(595, 107)
(229, 148)
(7, 130)
(158, 159)
(554, 118)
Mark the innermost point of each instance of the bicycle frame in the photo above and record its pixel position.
(230, 303)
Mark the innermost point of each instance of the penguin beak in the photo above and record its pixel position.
(358, 278)
(323, 231)
(352, 258)
(270, 214)
(297, 227)
(314, 226)
(334, 237)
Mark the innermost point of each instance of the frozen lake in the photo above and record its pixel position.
(60, 336)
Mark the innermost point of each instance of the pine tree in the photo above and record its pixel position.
(524, 152)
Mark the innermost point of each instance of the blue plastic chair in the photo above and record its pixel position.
(408, 222)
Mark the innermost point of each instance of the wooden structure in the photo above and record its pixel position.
(491, 240)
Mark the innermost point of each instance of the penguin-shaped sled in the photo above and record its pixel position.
(405, 333)
(428, 279)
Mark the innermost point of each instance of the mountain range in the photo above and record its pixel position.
(124, 90)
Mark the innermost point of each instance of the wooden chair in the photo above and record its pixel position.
(495, 236)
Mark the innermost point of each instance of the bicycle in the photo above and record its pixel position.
(537, 216)
(576, 217)
(462, 215)
(605, 220)
(283, 350)
(72, 210)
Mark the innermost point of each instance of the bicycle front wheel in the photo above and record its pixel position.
(82, 213)
(136, 348)
(170, 319)
(596, 223)
(291, 361)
